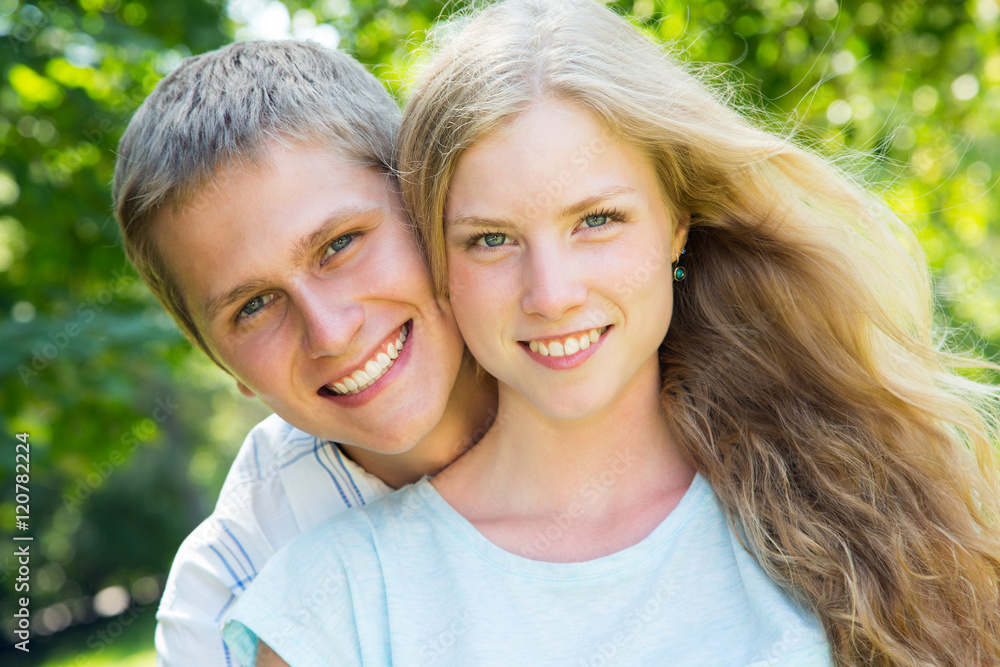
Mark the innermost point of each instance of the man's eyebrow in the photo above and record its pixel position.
(242, 291)
(322, 234)
(328, 229)
(569, 211)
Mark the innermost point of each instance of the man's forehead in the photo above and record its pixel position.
(250, 163)
(252, 220)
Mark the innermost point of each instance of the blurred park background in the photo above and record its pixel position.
(132, 431)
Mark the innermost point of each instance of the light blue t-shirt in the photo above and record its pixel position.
(408, 581)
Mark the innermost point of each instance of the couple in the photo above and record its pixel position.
(720, 432)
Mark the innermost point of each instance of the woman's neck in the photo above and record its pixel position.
(618, 462)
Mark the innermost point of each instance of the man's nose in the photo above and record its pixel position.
(330, 320)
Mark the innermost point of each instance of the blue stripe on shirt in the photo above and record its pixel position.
(242, 550)
(340, 460)
(333, 477)
(297, 457)
(236, 580)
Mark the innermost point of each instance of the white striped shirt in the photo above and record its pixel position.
(282, 483)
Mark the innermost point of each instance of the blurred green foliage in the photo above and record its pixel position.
(132, 431)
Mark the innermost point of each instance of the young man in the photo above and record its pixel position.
(256, 197)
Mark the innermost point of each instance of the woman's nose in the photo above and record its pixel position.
(553, 285)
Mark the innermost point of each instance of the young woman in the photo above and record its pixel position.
(724, 436)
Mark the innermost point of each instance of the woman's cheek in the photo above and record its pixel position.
(470, 281)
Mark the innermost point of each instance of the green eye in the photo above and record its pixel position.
(339, 244)
(494, 240)
(255, 304)
(596, 220)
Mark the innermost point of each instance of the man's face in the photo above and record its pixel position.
(307, 284)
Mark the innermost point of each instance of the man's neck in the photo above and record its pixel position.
(468, 415)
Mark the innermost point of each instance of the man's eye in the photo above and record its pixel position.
(492, 240)
(255, 304)
(338, 245)
(596, 220)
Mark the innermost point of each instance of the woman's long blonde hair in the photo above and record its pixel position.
(801, 371)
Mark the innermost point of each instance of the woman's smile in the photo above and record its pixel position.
(563, 352)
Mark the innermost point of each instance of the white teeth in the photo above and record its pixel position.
(571, 345)
(373, 368)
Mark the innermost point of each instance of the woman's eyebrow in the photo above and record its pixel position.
(478, 222)
(584, 205)
(569, 211)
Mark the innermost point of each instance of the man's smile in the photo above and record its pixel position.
(366, 373)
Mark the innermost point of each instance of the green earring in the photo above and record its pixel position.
(680, 273)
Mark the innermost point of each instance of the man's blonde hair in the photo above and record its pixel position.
(225, 108)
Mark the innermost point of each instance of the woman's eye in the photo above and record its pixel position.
(338, 245)
(255, 304)
(492, 240)
(596, 220)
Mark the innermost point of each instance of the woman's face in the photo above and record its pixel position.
(559, 247)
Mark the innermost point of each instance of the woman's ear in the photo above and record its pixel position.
(680, 234)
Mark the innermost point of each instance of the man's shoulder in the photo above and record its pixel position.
(282, 482)
(281, 470)
(400, 518)
(269, 445)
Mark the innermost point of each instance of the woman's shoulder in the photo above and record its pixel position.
(325, 584)
(345, 534)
